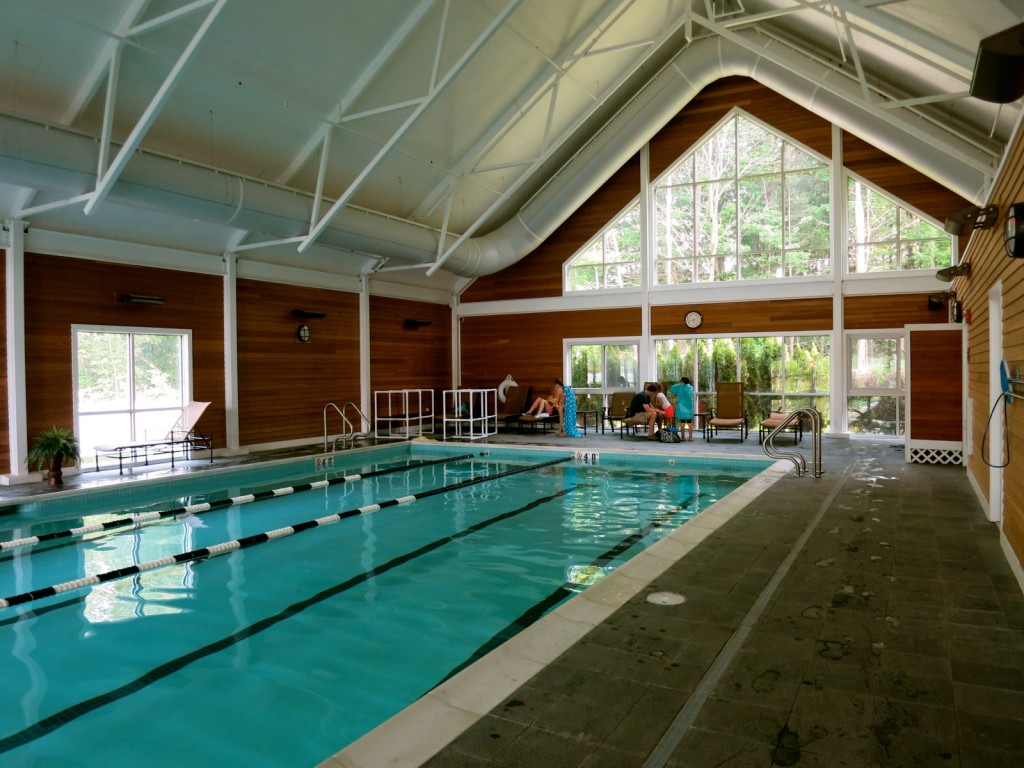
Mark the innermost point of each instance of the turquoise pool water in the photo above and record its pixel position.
(284, 652)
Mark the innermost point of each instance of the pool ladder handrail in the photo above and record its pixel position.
(797, 458)
(349, 433)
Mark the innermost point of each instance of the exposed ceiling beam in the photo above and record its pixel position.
(106, 182)
(435, 90)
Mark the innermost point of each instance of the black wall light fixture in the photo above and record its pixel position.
(973, 218)
(999, 67)
(960, 270)
(414, 324)
(937, 300)
(308, 313)
(303, 333)
(134, 298)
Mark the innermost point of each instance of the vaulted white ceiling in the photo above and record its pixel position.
(426, 140)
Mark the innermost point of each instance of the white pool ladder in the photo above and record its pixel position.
(798, 458)
(349, 433)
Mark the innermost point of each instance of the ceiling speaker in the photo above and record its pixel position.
(999, 67)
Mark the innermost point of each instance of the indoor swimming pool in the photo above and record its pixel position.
(245, 627)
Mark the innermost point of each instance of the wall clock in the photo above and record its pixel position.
(693, 319)
(302, 332)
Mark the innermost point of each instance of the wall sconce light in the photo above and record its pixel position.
(1013, 231)
(414, 324)
(960, 270)
(134, 298)
(308, 313)
(937, 300)
(977, 218)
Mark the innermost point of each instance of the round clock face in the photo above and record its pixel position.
(302, 333)
(693, 319)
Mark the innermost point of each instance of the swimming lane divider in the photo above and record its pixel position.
(206, 553)
(196, 509)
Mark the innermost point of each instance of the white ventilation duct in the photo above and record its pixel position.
(58, 160)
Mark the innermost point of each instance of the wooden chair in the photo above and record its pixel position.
(517, 400)
(618, 408)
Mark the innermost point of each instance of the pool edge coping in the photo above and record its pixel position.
(425, 727)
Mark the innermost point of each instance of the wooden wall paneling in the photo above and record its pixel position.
(936, 405)
(284, 384)
(892, 311)
(712, 104)
(784, 316)
(410, 358)
(539, 274)
(529, 346)
(61, 291)
(900, 180)
(989, 265)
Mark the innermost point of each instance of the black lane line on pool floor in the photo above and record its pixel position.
(542, 606)
(51, 723)
(209, 506)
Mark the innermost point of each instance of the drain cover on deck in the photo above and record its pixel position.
(665, 598)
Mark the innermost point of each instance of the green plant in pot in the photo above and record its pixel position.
(52, 447)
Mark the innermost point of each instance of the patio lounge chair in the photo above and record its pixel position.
(181, 436)
(728, 412)
(774, 420)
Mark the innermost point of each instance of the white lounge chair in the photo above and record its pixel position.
(182, 435)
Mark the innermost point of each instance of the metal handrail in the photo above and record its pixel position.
(797, 458)
(349, 432)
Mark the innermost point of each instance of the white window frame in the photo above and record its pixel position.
(185, 335)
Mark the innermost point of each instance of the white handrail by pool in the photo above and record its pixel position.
(349, 432)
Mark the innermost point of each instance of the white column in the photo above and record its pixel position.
(232, 438)
(839, 248)
(16, 407)
(365, 395)
(648, 360)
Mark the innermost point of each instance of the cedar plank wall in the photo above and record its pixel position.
(407, 358)
(935, 357)
(989, 265)
(62, 291)
(741, 316)
(864, 313)
(529, 346)
(284, 384)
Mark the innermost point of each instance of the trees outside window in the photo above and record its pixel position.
(779, 373)
(598, 369)
(130, 384)
(876, 386)
(745, 204)
(886, 237)
(610, 260)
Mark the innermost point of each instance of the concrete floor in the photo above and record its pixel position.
(866, 618)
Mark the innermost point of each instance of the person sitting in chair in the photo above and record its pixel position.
(546, 406)
(657, 409)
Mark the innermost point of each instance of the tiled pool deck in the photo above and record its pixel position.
(866, 618)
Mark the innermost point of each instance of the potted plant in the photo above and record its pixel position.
(52, 447)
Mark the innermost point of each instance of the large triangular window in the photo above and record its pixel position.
(611, 259)
(887, 237)
(745, 204)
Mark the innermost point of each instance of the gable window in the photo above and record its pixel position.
(130, 383)
(886, 237)
(610, 260)
(745, 204)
